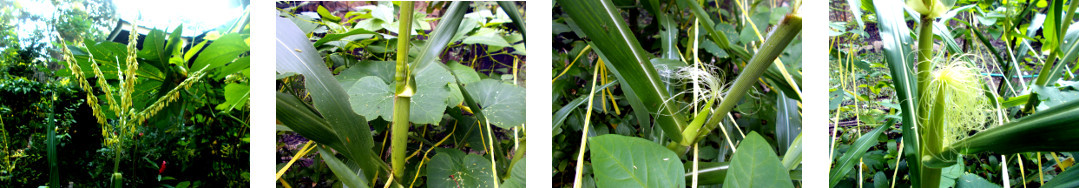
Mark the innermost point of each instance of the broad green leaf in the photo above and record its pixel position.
(466, 75)
(502, 103)
(241, 65)
(153, 47)
(105, 54)
(517, 176)
(343, 173)
(381, 69)
(236, 97)
(453, 168)
(226, 49)
(327, 15)
(296, 54)
(975, 181)
(755, 164)
(622, 161)
(624, 57)
(434, 92)
(371, 98)
(896, 39)
(847, 162)
(487, 36)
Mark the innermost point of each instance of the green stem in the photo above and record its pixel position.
(54, 172)
(790, 27)
(403, 95)
(931, 133)
(925, 52)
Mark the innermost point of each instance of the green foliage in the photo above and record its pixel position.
(1020, 47)
(349, 71)
(621, 161)
(633, 72)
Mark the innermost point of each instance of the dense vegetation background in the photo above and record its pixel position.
(197, 145)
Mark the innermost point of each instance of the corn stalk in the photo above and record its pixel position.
(403, 92)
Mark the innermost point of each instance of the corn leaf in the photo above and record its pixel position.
(511, 9)
(611, 37)
(296, 54)
(347, 176)
(564, 112)
(847, 162)
(1049, 130)
(896, 38)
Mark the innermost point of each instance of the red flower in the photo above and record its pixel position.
(162, 170)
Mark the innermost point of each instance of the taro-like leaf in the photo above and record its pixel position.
(465, 75)
(372, 97)
(382, 69)
(453, 168)
(487, 36)
(622, 161)
(972, 180)
(755, 164)
(502, 103)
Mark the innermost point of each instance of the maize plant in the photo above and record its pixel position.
(143, 87)
(679, 94)
(374, 89)
(985, 98)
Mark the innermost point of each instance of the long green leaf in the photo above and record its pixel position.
(788, 122)
(846, 163)
(54, 166)
(896, 38)
(564, 112)
(296, 55)
(793, 156)
(718, 38)
(755, 164)
(338, 36)
(1049, 130)
(343, 173)
(604, 25)
(1068, 178)
(300, 118)
(440, 37)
